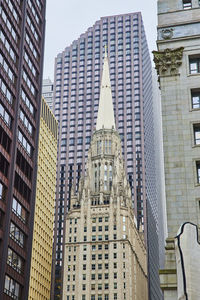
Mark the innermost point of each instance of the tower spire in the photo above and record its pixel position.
(105, 118)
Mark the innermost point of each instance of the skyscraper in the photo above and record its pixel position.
(76, 99)
(47, 91)
(105, 256)
(41, 258)
(22, 25)
(178, 65)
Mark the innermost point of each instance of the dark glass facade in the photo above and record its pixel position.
(22, 25)
(76, 98)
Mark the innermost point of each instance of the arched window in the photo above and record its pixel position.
(99, 147)
(107, 146)
(110, 177)
(97, 168)
(107, 177)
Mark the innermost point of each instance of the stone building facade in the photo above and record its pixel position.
(178, 64)
(105, 256)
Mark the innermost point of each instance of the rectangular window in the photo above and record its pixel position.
(2, 191)
(25, 144)
(15, 261)
(196, 129)
(17, 235)
(6, 91)
(6, 68)
(194, 63)
(26, 122)
(19, 210)
(5, 116)
(198, 171)
(187, 4)
(8, 46)
(27, 102)
(11, 288)
(195, 95)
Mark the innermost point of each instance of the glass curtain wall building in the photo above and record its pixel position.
(76, 98)
(22, 25)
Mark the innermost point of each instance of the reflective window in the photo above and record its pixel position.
(27, 102)
(26, 122)
(196, 129)
(194, 65)
(198, 171)
(19, 210)
(12, 288)
(187, 4)
(7, 46)
(15, 261)
(8, 24)
(17, 235)
(5, 116)
(6, 68)
(195, 99)
(6, 91)
(24, 142)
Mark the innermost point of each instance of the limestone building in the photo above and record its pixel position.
(178, 64)
(41, 259)
(105, 257)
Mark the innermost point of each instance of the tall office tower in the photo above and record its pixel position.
(105, 256)
(178, 66)
(47, 91)
(76, 97)
(22, 25)
(41, 259)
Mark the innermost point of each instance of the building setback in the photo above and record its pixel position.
(47, 91)
(178, 64)
(105, 255)
(76, 99)
(22, 26)
(41, 258)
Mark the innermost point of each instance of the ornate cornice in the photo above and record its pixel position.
(168, 61)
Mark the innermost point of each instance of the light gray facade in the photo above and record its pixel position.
(178, 66)
(47, 92)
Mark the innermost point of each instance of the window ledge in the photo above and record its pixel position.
(194, 109)
(191, 75)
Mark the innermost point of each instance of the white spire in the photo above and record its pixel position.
(105, 118)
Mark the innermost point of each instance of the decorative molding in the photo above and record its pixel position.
(167, 33)
(168, 61)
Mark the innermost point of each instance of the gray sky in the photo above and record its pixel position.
(66, 20)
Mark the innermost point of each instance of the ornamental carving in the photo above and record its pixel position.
(168, 60)
(167, 33)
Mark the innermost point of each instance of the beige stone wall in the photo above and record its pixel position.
(180, 153)
(178, 28)
(120, 260)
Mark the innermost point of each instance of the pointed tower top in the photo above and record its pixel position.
(105, 118)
